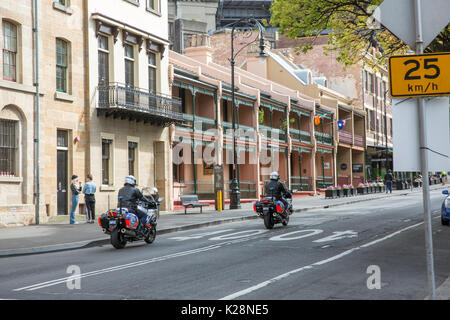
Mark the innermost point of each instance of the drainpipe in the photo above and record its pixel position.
(36, 106)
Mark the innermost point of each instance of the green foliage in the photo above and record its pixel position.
(348, 25)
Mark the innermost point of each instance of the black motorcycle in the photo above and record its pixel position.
(124, 226)
(273, 211)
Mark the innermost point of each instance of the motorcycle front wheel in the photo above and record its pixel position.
(286, 220)
(268, 221)
(151, 235)
(118, 240)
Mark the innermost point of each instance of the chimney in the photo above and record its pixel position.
(198, 47)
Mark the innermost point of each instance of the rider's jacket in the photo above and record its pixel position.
(275, 189)
(130, 195)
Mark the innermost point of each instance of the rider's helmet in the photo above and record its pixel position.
(130, 180)
(274, 176)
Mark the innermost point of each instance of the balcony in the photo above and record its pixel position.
(300, 136)
(359, 141)
(323, 138)
(242, 132)
(345, 137)
(125, 102)
(272, 133)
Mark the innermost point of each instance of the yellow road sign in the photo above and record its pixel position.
(419, 75)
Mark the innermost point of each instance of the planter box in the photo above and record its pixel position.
(346, 192)
(340, 193)
(361, 190)
(330, 194)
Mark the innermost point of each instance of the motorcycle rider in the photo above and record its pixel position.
(277, 189)
(131, 195)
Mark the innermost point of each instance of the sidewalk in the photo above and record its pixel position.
(60, 235)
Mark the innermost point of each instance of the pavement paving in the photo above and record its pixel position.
(59, 235)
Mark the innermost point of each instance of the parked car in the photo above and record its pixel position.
(445, 210)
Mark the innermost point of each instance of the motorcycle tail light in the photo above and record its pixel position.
(100, 222)
(254, 207)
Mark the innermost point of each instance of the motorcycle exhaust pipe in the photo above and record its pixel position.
(128, 232)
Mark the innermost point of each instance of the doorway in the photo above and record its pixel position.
(62, 172)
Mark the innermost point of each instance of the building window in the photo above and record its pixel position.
(371, 83)
(152, 71)
(61, 65)
(132, 156)
(106, 161)
(372, 120)
(383, 92)
(8, 148)
(103, 60)
(9, 51)
(129, 65)
(153, 5)
(61, 2)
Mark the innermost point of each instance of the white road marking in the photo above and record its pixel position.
(199, 235)
(311, 266)
(288, 236)
(337, 235)
(240, 234)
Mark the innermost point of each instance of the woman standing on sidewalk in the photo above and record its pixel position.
(76, 190)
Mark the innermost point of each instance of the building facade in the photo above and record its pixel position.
(129, 106)
(61, 100)
(274, 122)
(366, 85)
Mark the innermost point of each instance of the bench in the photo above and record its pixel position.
(191, 201)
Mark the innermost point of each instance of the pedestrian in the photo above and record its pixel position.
(388, 181)
(444, 177)
(89, 190)
(76, 190)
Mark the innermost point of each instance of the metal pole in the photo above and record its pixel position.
(36, 102)
(235, 201)
(424, 163)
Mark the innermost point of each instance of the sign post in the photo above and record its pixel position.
(424, 162)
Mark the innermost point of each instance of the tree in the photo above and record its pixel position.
(350, 30)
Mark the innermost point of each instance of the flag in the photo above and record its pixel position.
(341, 124)
(317, 120)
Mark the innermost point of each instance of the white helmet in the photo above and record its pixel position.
(130, 180)
(274, 176)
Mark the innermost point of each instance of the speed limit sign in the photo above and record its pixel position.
(419, 75)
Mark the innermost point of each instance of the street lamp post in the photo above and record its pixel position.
(235, 197)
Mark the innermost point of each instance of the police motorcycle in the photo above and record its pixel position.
(273, 211)
(124, 226)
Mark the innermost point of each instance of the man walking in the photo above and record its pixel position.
(89, 190)
(388, 181)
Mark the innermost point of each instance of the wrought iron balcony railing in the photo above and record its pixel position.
(140, 104)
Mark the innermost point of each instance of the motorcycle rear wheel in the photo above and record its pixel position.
(118, 240)
(151, 236)
(268, 221)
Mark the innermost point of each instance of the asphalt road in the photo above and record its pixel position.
(322, 254)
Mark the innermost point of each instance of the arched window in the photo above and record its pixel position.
(9, 51)
(62, 58)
